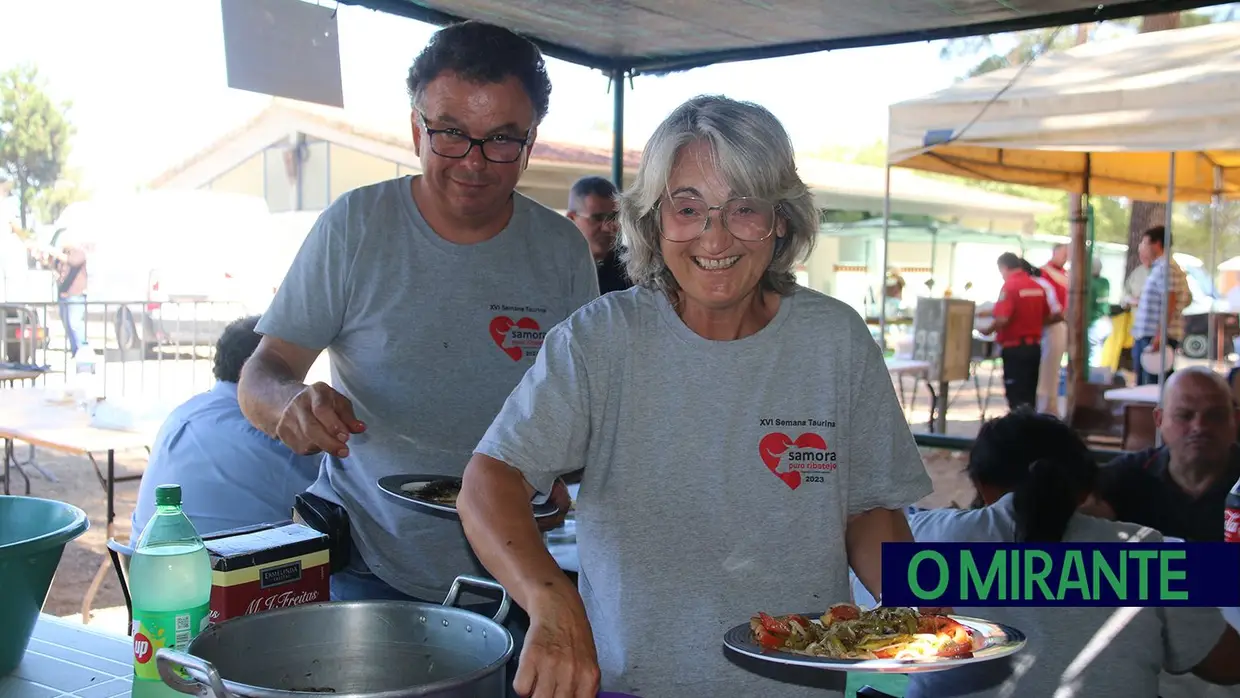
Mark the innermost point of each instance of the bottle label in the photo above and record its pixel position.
(155, 630)
(1231, 525)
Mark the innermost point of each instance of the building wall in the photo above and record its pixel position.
(246, 178)
(350, 169)
(327, 171)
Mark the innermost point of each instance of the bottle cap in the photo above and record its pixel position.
(168, 496)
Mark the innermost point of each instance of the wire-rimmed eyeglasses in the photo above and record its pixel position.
(456, 144)
(685, 218)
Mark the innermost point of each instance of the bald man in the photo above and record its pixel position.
(1180, 487)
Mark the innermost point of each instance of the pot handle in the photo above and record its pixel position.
(454, 593)
(204, 680)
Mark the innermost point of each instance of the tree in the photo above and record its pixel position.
(34, 136)
(1006, 50)
(52, 201)
(1146, 214)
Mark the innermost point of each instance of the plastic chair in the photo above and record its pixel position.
(1139, 428)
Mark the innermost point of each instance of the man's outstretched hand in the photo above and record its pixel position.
(318, 419)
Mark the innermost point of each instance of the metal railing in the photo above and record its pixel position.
(163, 351)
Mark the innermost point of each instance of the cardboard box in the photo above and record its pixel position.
(262, 568)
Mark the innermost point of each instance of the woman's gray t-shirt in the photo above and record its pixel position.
(718, 479)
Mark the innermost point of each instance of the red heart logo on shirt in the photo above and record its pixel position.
(499, 332)
(773, 446)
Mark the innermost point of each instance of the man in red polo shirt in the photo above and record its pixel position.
(1055, 337)
(1019, 318)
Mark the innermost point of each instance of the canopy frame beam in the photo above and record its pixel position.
(670, 63)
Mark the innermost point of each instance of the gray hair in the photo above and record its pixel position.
(754, 155)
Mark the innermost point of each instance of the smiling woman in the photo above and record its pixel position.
(737, 155)
(739, 438)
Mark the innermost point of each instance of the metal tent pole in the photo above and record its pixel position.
(1090, 253)
(1166, 307)
(882, 282)
(1215, 351)
(617, 120)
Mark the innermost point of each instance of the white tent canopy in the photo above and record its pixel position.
(1100, 118)
(1150, 117)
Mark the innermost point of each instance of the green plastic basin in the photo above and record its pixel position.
(33, 534)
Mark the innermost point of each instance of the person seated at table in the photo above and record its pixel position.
(741, 438)
(1179, 488)
(230, 473)
(1032, 471)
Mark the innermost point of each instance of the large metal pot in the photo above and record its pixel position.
(376, 649)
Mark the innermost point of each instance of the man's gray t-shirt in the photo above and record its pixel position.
(718, 479)
(1087, 652)
(427, 338)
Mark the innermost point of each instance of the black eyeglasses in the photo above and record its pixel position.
(456, 144)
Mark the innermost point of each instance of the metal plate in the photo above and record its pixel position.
(990, 641)
(400, 489)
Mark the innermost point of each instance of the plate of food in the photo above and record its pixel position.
(437, 494)
(891, 640)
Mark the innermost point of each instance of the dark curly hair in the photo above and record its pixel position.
(484, 54)
(234, 347)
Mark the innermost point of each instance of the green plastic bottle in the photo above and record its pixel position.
(170, 586)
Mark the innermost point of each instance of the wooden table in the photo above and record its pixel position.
(67, 660)
(1145, 394)
(15, 375)
(31, 416)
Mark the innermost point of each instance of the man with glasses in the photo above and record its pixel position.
(592, 206)
(433, 294)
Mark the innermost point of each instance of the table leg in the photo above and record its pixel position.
(977, 388)
(10, 464)
(990, 383)
(95, 583)
(110, 487)
(934, 404)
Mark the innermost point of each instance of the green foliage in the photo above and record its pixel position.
(34, 136)
(1191, 224)
(874, 154)
(51, 202)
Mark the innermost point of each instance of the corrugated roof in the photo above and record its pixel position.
(654, 36)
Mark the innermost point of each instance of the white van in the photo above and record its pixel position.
(167, 266)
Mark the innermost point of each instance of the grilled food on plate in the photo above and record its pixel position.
(847, 632)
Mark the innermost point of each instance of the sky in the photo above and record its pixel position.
(148, 86)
